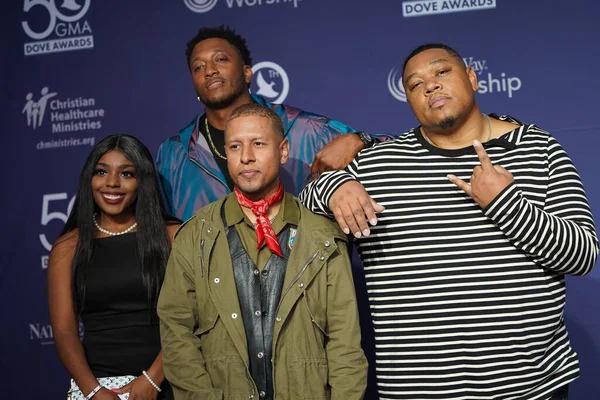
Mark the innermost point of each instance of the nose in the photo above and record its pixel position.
(247, 155)
(432, 85)
(113, 180)
(210, 69)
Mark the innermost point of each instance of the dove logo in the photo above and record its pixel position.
(65, 25)
(200, 6)
(272, 81)
(395, 86)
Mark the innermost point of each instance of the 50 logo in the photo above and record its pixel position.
(48, 216)
(64, 23)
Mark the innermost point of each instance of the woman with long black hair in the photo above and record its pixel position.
(106, 269)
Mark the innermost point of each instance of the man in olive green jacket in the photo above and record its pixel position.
(216, 313)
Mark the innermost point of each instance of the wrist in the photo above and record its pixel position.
(93, 392)
(365, 139)
(155, 385)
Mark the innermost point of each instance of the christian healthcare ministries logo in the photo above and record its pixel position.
(488, 83)
(64, 26)
(271, 81)
(68, 115)
(421, 8)
(202, 6)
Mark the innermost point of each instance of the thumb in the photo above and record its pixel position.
(124, 389)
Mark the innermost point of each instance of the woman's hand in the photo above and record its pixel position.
(105, 394)
(139, 389)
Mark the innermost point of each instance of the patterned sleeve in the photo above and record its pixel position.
(561, 236)
(315, 196)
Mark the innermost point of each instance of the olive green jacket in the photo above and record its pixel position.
(316, 338)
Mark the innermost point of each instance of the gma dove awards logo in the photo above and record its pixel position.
(56, 28)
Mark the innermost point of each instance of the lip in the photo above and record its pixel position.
(214, 83)
(438, 101)
(248, 174)
(112, 197)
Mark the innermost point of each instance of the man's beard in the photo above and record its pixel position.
(228, 99)
(447, 123)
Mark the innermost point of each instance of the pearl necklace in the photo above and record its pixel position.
(113, 233)
(488, 139)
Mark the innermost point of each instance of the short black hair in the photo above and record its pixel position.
(220, 32)
(428, 46)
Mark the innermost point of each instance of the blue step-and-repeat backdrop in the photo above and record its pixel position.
(75, 71)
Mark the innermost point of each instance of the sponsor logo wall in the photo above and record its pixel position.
(80, 70)
(489, 82)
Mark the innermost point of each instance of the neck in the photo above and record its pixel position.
(271, 213)
(115, 222)
(217, 117)
(475, 127)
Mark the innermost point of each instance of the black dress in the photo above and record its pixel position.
(121, 333)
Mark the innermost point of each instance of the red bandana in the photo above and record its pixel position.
(264, 230)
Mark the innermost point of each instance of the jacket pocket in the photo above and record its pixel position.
(309, 378)
(207, 317)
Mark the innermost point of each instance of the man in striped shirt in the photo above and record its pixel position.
(475, 220)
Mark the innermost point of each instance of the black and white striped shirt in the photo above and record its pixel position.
(467, 303)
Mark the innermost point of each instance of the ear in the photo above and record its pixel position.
(284, 151)
(247, 74)
(472, 75)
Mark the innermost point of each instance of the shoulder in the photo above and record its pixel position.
(406, 140)
(207, 214)
(320, 122)
(180, 139)
(526, 129)
(63, 249)
(172, 228)
(306, 121)
(318, 224)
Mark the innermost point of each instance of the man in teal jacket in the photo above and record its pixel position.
(192, 165)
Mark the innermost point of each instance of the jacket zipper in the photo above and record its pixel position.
(297, 277)
(202, 257)
(210, 173)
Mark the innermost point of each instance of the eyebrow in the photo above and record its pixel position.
(120, 166)
(437, 61)
(213, 53)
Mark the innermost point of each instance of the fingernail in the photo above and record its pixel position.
(449, 177)
(366, 232)
(373, 221)
(114, 389)
(357, 235)
(476, 143)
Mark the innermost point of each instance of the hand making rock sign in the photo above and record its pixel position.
(488, 180)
